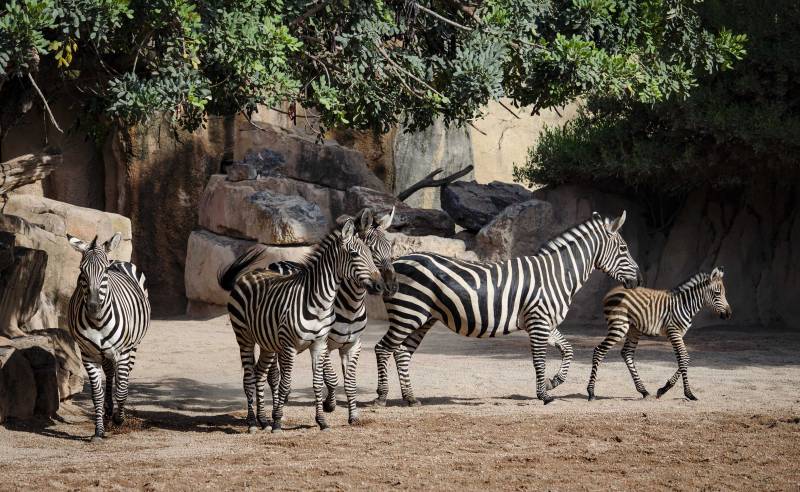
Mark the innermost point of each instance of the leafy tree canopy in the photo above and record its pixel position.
(737, 127)
(359, 63)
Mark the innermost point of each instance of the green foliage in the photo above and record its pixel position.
(360, 63)
(737, 127)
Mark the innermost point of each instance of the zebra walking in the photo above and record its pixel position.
(351, 313)
(636, 312)
(488, 299)
(286, 314)
(109, 313)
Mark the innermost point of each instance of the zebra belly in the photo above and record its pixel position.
(344, 333)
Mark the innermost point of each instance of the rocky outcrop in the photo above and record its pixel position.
(207, 254)
(251, 210)
(473, 205)
(276, 151)
(408, 220)
(454, 248)
(519, 230)
(416, 154)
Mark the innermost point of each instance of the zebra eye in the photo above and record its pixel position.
(623, 248)
(354, 254)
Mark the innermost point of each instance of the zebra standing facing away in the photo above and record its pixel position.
(351, 312)
(636, 312)
(286, 314)
(109, 313)
(486, 299)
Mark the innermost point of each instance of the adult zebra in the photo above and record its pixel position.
(486, 299)
(351, 312)
(286, 314)
(636, 312)
(109, 313)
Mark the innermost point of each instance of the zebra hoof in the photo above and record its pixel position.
(591, 396)
(118, 419)
(547, 399)
(252, 429)
(96, 439)
(324, 427)
(645, 395)
(413, 402)
(691, 397)
(661, 391)
(329, 406)
(276, 428)
(379, 402)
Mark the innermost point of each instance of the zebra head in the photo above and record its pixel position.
(358, 263)
(614, 257)
(374, 234)
(93, 277)
(718, 301)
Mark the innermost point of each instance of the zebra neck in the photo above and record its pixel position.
(323, 274)
(693, 299)
(573, 255)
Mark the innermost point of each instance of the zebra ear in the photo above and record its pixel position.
(348, 230)
(342, 219)
(717, 273)
(617, 224)
(365, 220)
(112, 243)
(596, 215)
(76, 243)
(385, 222)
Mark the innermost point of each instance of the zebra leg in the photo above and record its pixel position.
(669, 384)
(123, 369)
(286, 361)
(274, 378)
(318, 380)
(331, 380)
(265, 362)
(538, 333)
(108, 370)
(557, 339)
(616, 331)
(246, 352)
(402, 359)
(386, 347)
(628, 353)
(676, 338)
(94, 370)
(349, 355)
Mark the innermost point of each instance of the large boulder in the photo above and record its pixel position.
(518, 230)
(208, 253)
(473, 205)
(275, 151)
(408, 220)
(250, 210)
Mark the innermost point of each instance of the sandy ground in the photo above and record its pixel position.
(480, 425)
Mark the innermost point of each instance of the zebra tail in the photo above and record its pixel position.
(227, 276)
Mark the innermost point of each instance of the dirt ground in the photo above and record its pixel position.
(480, 425)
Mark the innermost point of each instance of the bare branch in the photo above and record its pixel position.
(46, 106)
(429, 182)
(26, 169)
(508, 109)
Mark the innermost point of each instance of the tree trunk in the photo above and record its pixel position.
(26, 169)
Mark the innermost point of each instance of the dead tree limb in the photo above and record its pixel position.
(26, 169)
(429, 182)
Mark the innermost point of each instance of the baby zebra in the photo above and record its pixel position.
(286, 314)
(351, 312)
(641, 311)
(109, 313)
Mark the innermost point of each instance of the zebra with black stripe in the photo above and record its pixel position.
(109, 313)
(488, 299)
(286, 314)
(636, 312)
(351, 312)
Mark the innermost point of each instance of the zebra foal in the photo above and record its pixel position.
(489, 299)
(636, 312)
(109, 313)
(351, 311)
(286, 314)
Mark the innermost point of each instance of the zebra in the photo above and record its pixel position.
(636, 312)
(486, 299)
(351, 313)
(286, 314)
(109, 313)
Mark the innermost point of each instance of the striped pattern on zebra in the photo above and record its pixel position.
(286, 314)
(351, 312)
(488, 299)
(636, 312)
(109, 313)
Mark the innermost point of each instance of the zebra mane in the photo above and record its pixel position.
(318, 249)
(692, 281)
(566, 238)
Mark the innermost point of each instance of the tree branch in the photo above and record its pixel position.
(26, 169)
(429, 182)
(46, 106)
